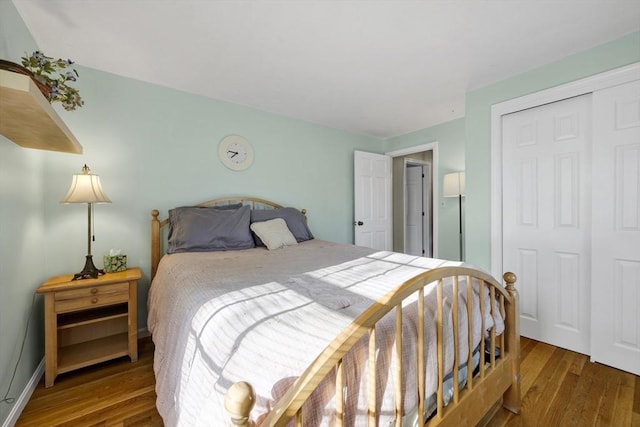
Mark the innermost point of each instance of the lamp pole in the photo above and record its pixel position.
(454, 185)
(460, 218)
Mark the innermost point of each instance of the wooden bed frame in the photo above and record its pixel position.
(497, 378)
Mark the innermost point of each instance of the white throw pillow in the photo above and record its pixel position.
(274, 233)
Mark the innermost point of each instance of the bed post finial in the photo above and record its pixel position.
(511, 398)
(510, 278)
(238, 402)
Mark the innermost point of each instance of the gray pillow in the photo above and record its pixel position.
(296, 222)
(204, 229)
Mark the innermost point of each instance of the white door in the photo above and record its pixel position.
(616, 231)
(372, 204)
(414, 211)
(418, 206)
(546, 219)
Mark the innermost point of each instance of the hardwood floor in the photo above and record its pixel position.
(115, 393)
(559, 388)
(562, 388)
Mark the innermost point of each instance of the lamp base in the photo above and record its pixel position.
(89, 271)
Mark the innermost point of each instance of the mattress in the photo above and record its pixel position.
(263, 316)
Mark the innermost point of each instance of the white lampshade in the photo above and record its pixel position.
(454, 185)
(85, 188)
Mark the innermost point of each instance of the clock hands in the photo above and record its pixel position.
(233, 153)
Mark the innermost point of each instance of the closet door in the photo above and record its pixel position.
(546, 219)
(616, 228)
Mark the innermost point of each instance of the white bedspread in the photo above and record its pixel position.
(263, 316)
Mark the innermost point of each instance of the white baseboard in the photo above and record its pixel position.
(24, 397)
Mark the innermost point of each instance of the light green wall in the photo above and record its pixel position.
(450, 138)
(22, 236)
(156, 148)
(620, 52)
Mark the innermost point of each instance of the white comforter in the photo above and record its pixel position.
(263, 316)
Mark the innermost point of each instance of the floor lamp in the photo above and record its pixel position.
(454, 187)
(86, 188)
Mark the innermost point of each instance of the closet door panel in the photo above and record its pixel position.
(546, 220)
(616, 228)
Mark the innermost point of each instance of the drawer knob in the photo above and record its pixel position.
(94, 300)
(94, 290)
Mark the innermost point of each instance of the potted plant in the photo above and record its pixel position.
(56, 74)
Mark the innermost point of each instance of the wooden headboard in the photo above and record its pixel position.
(157, 225)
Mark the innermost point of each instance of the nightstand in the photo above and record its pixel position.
(89, 321)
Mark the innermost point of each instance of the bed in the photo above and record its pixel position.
(292, 330)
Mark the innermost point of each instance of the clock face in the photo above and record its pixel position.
(235, 152)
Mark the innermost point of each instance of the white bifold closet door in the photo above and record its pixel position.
(571, 222)
(615, 287)
(546, 219)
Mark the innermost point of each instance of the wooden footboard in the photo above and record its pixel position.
(497, 374)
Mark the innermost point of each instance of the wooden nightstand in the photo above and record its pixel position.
(89, 321)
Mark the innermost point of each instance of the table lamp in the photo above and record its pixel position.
(86, 188)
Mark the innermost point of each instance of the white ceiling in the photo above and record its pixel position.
(381, 68)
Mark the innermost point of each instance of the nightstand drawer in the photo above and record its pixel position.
(95, 296)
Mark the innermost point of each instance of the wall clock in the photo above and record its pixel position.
(235, 152)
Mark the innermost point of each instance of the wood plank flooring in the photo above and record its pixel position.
(115, 393)
(559, 388)
(562, 388)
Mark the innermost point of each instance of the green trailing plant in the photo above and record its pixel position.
(56, 75)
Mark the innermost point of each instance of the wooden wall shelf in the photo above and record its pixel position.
(27, 118)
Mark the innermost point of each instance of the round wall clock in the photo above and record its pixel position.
(235, 152)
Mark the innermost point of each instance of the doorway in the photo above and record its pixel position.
(379, 197)
(425, 154)
(418, 207)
